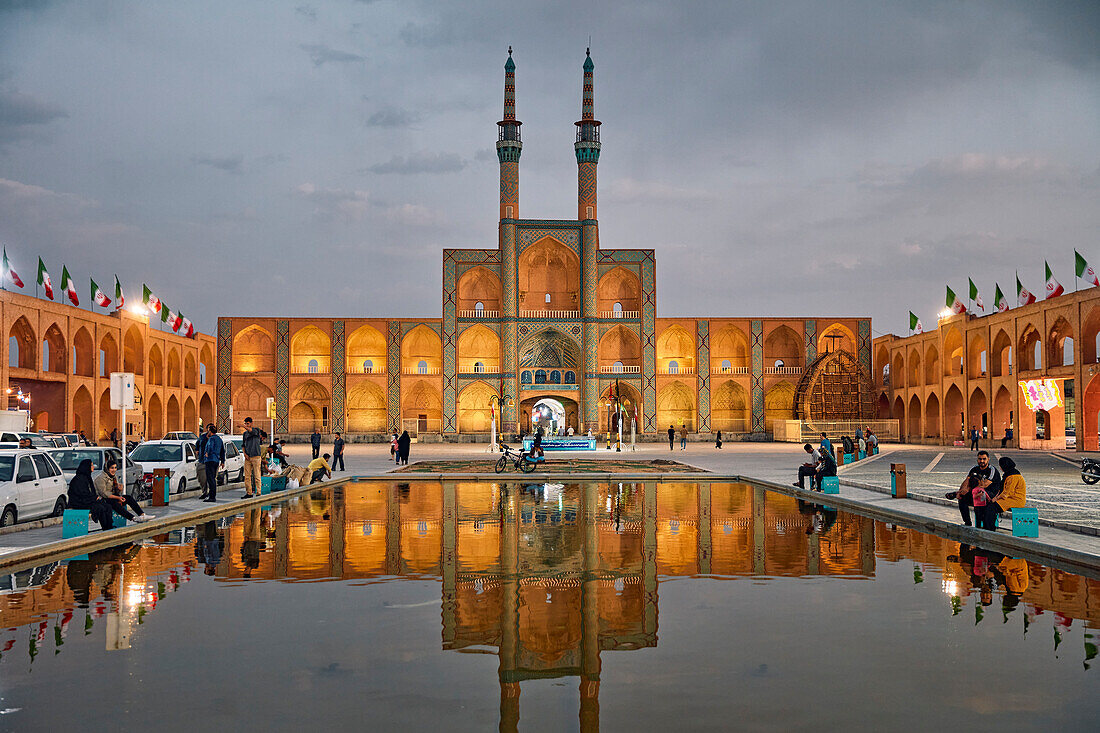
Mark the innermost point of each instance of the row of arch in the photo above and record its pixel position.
(160, 416)
(83, 359)
(1032, 350)
(931, 419)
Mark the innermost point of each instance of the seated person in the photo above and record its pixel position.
(988, 478)
(106, 486)
(319, 469)
(825, 467)
(808, 469)
(536, 445)
(1007, 494)
(82, 495)
(862, 446)
(872, 439)
(846, 442)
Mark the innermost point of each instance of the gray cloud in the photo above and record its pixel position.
(21, 113)
(392, 117)
(420, 163)
(230, 164)
(321, 54)
(306, 11)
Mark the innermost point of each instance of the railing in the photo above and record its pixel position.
(358, 369)
(623, 369)
(620, 314)
(549, 314)
(884, 430)
(676, 370)
(783, 370)
(421, 370)
(308, 370)
(478, 314)
(483, 369)
(731, 370)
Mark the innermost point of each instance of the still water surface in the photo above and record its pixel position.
(381, 606)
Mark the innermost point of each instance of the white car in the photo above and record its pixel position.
(178, 456)
(31, 486)
(234, 459)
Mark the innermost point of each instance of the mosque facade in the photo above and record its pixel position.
(547, 317)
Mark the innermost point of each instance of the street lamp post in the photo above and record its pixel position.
(497, 401)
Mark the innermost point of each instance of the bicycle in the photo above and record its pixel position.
(520, 461)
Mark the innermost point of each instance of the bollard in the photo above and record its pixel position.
(840, 456)
(897, 480)
(830, 485)
(161, 486)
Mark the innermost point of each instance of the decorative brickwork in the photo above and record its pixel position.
(393, 375)
(811, 341)
(225, 370)
(702, 370)
(282, 376)
(649, 342)
(339, 369)
(757, 346)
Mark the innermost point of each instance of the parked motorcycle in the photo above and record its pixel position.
(1090, 470)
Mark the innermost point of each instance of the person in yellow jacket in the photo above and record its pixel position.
(319, 469)
(1012, 494)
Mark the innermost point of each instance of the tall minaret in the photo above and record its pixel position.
(509, 145)
(509, 148)
(587, 146)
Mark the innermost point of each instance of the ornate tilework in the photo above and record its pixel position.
(450, 344)
(568, 235)
(702, 371)
(758, 423)
(865, 344)
(649, 342)
(393, 374)
(622, 256)
(339, 379)
(225, 370)
(282, 376)
(586, 189)
(509, 187)
(811, 341)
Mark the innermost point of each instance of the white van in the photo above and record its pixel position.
(31, 486)
(178, 456)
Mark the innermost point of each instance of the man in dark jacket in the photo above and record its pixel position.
(251, 446)
(338, 452)
(213, 456)
(315, 443)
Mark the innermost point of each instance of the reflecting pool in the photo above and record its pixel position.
(469, 606)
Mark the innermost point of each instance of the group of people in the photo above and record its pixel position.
(102, 496)
(821, 464)
(399, 448)
(990, 492)
(683, 437)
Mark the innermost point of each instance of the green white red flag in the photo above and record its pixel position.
(187, 328)
(44, 279)
(1054, 288)
(1082, 269)
(149, 300)
(915, 324)
(1000, 302)
(174, 320)
(976, 296)
(68, 285)
(10, 273)
(120, 300)
(1023, 295)
(955, 305)
(99, 297)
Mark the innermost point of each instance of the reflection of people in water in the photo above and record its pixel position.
(822, 518)
(208, 546)
(253, 541)
(102, 568)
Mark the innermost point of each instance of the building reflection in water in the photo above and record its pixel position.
(547, 577)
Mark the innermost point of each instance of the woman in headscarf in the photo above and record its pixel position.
(82, 495)
(1013, 494)
(403, 444)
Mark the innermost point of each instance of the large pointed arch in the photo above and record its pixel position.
(474, 408)
(56, 360)
(932, 365)
(133, 351)
(1000, 357)
(250, 400)
(618, 291)
(620, 346)
(309, 404)
(22, 344)
(478, 350)
(154, 417)
(254, 350)
(172, 414)
(779, 402)
(932, 417)
(914, 431)
(675, 351)
(549, 277)
(310, 351)
(784, 345)
(83, 353)
(953, 413)
(479, 285)
(729, 408)
(108, 355)
(82, 412)
(156, 366)
(421, 351)
(729, 351)
(172, 370)
(1060, 344)
(190, 415)
(366, 406)
(676, 406)
(366, 351)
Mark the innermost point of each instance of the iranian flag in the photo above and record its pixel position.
(69, 286)
(44, 279)
(1000, 302)
(175, 320)
(10, 273)
(1023, 295)
(1054, 288)
(187, 328)
(149, 300)
(98, 296)
(976, 296)
(120, 300)
(955, 305)
(914, 323)
(1082, 267)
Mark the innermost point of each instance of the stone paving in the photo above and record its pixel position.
(556, 462)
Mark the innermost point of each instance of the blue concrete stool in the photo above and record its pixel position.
(265, 485)
(862, 455)
(830, 485)
(848, 457)
(74, 523)
(1025, 522)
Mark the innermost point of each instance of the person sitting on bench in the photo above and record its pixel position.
(1010, 493)
(825, 467)
(536, 445)
(808, 469)
(82, 495)
(319, 469)
(106, 485)
(987, 478)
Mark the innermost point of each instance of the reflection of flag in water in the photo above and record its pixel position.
(41, 635)
(100, 609)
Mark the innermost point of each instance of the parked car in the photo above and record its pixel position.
(70, 458)
(234, 460)
(71, 438)
(31, 486)
(178, 456)
(38, 440)
(56, 441)
(180, 435)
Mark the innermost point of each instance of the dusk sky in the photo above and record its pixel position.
(782, 158)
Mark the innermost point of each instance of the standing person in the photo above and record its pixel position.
(338, 452)
(403, 444)
(974, 435)
(315, 442)
(251, 442)
(200, 467)
(671, 436)
(393, 450)
(683, 436)
(84, 439)
(82, 494)
(114, 436)
(826, 444)
(1010, 493)
(1007, 437)
(106, 486)
(983, 475)
(213, 457)
(319, 469)
(718, 439)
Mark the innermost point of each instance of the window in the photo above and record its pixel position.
(312, 368)
(43, 464)
(479, 367)
(230, 450)
(570, 378)
(778, 363)
(540, 376)
(46, 355)
(102, 363)
(617, 367)
(727, 366)
(548, 298)
(13, 351)
(555, 377)
(525, 377)
(26, 470)
(479, 306)
(673, 368)
(618, 309)
(202, 374)
(368, 366)
(422, 367)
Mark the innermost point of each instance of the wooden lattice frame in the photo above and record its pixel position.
(835, 387)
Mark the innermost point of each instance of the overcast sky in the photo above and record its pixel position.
(782, 158)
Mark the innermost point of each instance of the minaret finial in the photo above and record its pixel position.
(509, 145)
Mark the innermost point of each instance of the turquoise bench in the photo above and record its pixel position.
(74, 523)
(1025, 522)
(830, 485)
(272, 483)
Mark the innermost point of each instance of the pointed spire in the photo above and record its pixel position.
(509, 126)
(588, 103)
